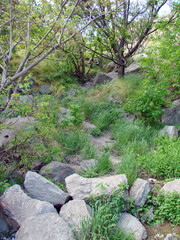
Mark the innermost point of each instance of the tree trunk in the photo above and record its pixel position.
(121, 71)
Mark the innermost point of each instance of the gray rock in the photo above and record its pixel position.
(45, 227)
(101, 78)
(133, 67)
(64, 113)
(80, 188)
(171, 187)
(139, 191)
(111, 66)
(176, 102)
(170, 131)
(40, 188)
(86, 164)
(172, 236)
(57, 171)
(130, 224)
(128, 117)
(17, 206)
(4, 227)
(45, 89)
(171, 115)
(26, 99)
(74, 212)
(12, 127)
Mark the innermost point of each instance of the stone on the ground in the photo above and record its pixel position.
(40, 188)
(130, 224)
(171, 186)
(103, 141)
(17, 206)
(74, 212)
(4, 228)
(133, 67)
(12, 127)
(88, 126)
(86, 164)
(45, 227)
(45, 89)
(80, 188)
(176, 102)
(171, 116)
(111, 66)
(127, 117)
(101, 78)
(26, 99)
(57, 171)
(139, 191)
(170, 131)
(172, 236)
(64, 113)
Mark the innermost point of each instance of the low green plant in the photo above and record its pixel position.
(105, 214)
(104, 165)
(4, 185)
(163, 161)
(148, 101)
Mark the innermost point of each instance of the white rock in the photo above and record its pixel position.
(139, 191)
(17, 206)
(80, 188)
(130, 224)
(45, 227)
(74, 212)
(172, 186)
(40, 188)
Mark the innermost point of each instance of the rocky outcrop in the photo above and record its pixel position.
(17, 206)
(45, 227)
(170, 131)
(130, 224)
(173, 186)
(171, 115)
(12, 127)
(80, 188)
(57, 171)
(40, 188)
(74, 212)
(139, 192)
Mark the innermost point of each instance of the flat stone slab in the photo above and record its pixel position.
(172, 186)
(74, 212)
(81, 188)
(130, 224)
(42, 189)
(17, 206)
(103, 141)
(45, 227)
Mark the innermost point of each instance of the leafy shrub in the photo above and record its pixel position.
(164, 160)
(4, 185)
(167, 208)
(148, 101)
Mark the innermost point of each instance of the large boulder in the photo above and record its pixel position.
(12, 127)
(173, 186)
(139, 191)
(57, 171)
(40, 188)
(130, 224)
(101, 78)
(17, 206)
(74, 212)
(80, 188)
(170, 131)
(45, 227)
(171, 115)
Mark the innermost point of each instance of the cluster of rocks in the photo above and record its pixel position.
(43, 211)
